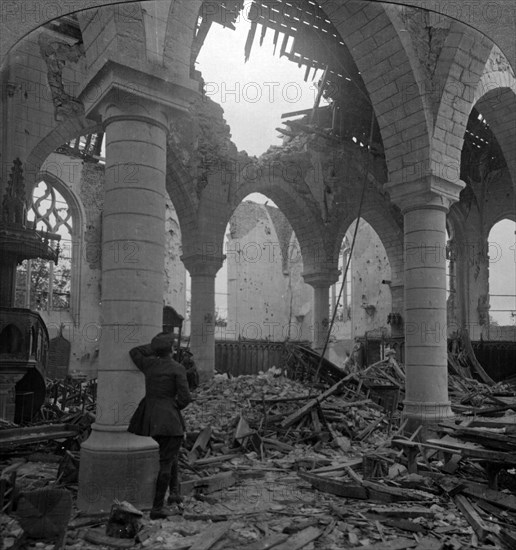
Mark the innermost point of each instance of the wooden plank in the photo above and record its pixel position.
(299, 540)
(339, 488)
(473, 358)
(297, 415)
(275, 444)
(215, 459)
(481, 528)
(405, 512)
(361, 489)
(503, 500)
(268, 542)
(316, 423)
(398, 544)
(462, 448)
(97, 537)
(209, 484)
(8, 442)
(208, 538)
(397, 493)
(274, 400)
(508, 537)
(429, 543)
(337, 467)
(404, 525)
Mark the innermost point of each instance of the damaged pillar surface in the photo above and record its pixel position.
(115, 463)
(321, 283)
(203, 269)
(426, 397)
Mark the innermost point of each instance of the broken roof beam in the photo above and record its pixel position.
(303, 112)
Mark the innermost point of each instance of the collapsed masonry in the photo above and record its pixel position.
(316, 178)
(276, 458)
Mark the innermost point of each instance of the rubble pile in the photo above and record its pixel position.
(318, 462)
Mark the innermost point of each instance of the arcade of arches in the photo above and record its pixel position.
(106, 107)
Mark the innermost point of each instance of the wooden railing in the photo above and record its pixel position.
(497, 357)
(247, 356)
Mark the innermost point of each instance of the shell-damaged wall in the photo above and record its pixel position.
(267, 296)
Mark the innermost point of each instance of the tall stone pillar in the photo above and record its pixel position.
(115, 463)
(426, 392)
(203, 269)
(321, 283)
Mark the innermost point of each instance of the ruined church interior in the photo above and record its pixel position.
(329, 243)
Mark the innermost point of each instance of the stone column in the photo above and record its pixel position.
(321, 283)
(115, 463)
(203, 269)
(426, 397)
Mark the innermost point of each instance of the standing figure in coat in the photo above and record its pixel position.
(158, 414)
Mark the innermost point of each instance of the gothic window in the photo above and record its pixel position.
(42, 285)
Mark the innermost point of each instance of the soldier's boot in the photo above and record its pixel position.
(158, 510)
(174, 496)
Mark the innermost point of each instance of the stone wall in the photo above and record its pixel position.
(267, 290)
(259, 287)
(370, 299)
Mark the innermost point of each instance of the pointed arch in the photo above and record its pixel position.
(387, 61)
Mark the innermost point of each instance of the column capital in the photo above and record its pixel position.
(322, 278)
(117, 90)
(206, 265)
(429, 191)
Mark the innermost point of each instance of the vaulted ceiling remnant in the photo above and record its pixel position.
(481, 153)
(308, 38)
(224, 13)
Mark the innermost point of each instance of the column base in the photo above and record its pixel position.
(420, 413)
(116, 464)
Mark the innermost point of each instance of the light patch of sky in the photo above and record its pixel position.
(502, 272)
(255, 94)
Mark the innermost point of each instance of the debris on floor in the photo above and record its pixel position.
(280, 461)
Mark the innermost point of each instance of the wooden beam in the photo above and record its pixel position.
(207, 539)
(481, 528)
(297, 415)
(301, 539)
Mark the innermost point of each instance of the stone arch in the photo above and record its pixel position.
(306, 224)
(386, 59)
(115, 32)
(458, 72)
(178, 183)
(497, 74)
(63, 133)
(371, 301)
(495, 99)
(507, 213)
(214, 216)
(388, 231)
(181, 23)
